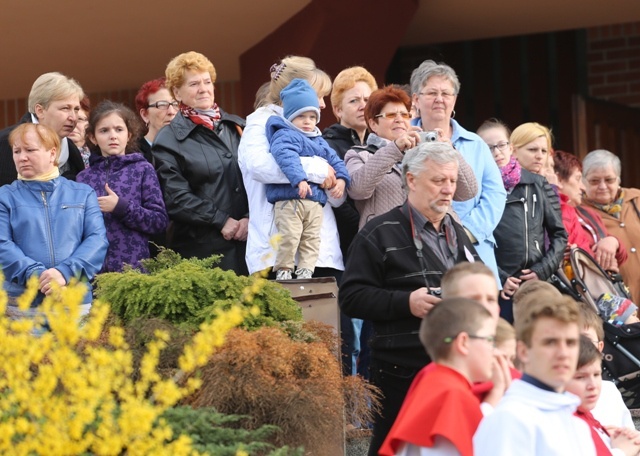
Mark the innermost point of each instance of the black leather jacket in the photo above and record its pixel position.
(532, 209)
(202, 186)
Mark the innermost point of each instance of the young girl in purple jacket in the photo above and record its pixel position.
(128, 190)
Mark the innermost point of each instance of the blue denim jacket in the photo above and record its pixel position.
(53, 224)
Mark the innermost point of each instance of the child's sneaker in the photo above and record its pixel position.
(283, 274)
(304, 273)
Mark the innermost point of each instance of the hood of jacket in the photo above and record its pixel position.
(275, 123)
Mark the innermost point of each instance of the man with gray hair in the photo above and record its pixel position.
(393, 273)
(54, 101)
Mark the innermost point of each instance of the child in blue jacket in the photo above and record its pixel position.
(298, 205)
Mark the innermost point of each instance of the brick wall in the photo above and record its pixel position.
(613, 55)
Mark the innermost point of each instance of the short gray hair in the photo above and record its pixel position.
(51, 87)
(600, 159)
(414, 159)
(428, 68)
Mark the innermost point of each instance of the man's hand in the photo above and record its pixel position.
(243, 229)
(421, 302)
(230, 228)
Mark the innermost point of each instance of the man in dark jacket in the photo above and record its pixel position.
(392, 280)
(54, 101)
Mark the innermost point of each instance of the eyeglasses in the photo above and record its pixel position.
(393, 115)
(501, 146)
(607, 180)
(436, 94)
(164, 105)
(490, 339)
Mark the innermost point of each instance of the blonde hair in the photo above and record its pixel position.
(528, 132)
(346, 80)
(504, 331)
(52, 87)
(47, 137)
(187, 61)
(293, 67)
(562, 308)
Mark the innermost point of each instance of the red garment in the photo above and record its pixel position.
(582, 231)
(601, 448)
(439, 402)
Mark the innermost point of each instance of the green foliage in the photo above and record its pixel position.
(191, 291)
(223, 435)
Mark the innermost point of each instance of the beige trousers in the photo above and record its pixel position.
(298, 223)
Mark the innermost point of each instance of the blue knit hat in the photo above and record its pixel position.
(299, 97)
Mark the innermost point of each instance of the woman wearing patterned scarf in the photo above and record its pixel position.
(532, 208)
(618, 207)
(196, 158)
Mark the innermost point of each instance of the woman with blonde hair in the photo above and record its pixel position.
(260, 168)
(197, 163)
(531, 143)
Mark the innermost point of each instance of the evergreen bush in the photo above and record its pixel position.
(191, 291)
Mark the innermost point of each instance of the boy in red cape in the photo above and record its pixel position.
(440, 414)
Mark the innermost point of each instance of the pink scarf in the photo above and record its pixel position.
(209, 118)
(511, 173)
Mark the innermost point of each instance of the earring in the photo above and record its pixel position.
(453, 113)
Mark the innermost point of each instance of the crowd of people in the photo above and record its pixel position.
(417, 218)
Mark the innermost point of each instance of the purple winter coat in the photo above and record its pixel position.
(140, 211)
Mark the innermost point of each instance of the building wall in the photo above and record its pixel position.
(613, 55)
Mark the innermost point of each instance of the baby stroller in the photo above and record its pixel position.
(586, 281)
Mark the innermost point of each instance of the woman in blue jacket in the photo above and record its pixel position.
(50, 227)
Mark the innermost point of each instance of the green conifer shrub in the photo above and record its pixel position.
(190, 291)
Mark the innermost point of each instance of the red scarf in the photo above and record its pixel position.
(208, 118)
(601, 448)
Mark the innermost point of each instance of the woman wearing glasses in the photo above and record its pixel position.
(435, 88)
(532, 209)
(157, 108)
(376, 177)
(619, 208)
(196, 158)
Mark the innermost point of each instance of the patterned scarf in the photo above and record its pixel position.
(614, 208)
(511, 174)
(209, 117)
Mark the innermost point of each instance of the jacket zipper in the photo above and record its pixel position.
(533, 214)
(526, 224)
(48, 221)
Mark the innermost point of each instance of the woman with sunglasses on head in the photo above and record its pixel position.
(619, 208)
(435, 88)
(531, 210)
(157, 108)
(376, 176)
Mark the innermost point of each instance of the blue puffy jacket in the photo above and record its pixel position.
(53, 224)
(287, 145)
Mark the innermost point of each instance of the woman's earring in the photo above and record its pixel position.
(453, 114)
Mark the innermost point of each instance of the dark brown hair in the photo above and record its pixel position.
(131, 121)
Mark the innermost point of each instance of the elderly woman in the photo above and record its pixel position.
(376, 177)
(435, 89)
(50, 227)
(532, 210)
(260, 168)
(583, 224)
(618, 207)
(78, 133)
(197, 164)
(157, 108)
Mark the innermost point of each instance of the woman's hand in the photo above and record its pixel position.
(605, 253)
(528, 274)
(330, 180)
(230, 228)
(421, 302)
(243, 229)
(510, 286)
(407, 141)
(337, 191)
(108, 203)
(48, 277)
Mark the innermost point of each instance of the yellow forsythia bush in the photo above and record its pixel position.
(62, 392)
